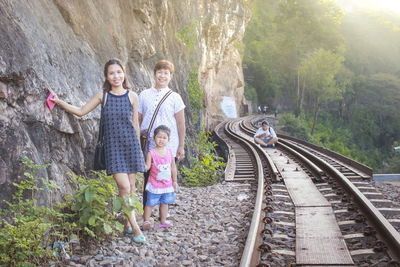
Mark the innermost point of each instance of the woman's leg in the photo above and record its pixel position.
(124, 188)
(132, 181)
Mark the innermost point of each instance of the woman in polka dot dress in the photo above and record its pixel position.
(124, 157)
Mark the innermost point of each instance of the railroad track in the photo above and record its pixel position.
(313, 207)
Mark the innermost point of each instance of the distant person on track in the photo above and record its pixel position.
(265, 135)
(162, 182)
(265, 108)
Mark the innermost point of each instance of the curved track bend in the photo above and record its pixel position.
(299, 186)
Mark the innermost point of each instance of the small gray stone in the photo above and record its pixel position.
(186, 262)
(203, 257)
(92, 263)
(99, 257)
(84, 259)
(75, 258)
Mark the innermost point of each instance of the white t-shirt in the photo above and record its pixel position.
(270, 133)
(148, 101)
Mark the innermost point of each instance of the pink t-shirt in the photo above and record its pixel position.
(160, 178)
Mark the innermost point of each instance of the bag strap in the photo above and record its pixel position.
(153, 119)
(103, 103)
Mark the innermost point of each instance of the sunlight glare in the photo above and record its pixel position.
(352, 5)
(388, 4)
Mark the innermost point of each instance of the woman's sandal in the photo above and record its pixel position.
(166, 224)
(139, 239)
(146, 225)
(128, 230)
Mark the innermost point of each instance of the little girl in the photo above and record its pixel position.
(162, 178)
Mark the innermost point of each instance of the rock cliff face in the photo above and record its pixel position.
(64, 45)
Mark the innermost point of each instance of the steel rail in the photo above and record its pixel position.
(251, 255)
(230, 159)
(317, 171)
(385, 230)
(367, 170)
(359, 166)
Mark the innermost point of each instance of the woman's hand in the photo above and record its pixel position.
(55, 98)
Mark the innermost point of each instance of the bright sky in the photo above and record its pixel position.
(390, 4)
(349, 6)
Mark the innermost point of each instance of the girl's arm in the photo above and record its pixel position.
(174, 174)
(135, 103)
(79, 111)
(148, 161)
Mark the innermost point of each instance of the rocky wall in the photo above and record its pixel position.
(64, 45)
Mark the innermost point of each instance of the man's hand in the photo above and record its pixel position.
(262, 135)
(180, 154)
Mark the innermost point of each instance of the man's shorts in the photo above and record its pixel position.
(266, 139)
(156, 199)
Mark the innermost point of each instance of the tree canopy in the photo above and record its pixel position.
(313, 59)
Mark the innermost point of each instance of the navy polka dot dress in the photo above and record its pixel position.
(123, 152)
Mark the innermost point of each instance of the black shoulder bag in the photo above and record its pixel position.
(100, 153)
(144, 135)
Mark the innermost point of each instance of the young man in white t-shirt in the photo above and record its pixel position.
(170, 114)
(265, 135)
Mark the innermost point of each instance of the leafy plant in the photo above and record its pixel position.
(296, 127)
(196, 95)
(28, 230)
(188, 34)
(25, 227)
(206, 168)
(250, 93)
(94, 205)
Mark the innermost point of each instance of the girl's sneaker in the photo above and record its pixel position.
(166, 224)
(146, 225)
(139, 239)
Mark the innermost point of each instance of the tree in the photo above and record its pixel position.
(305, 26)
(318, 72)
(375, 116)
(279, 36)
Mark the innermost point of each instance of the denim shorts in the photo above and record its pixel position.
(156, 199)
(266, 139)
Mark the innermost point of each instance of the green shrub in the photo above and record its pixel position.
(250, 93)
(26, 229)
(206, 168)
(21, 242)
(196, 95)
(331, 135)
(295, 127)
(94, 205)
(188, 35)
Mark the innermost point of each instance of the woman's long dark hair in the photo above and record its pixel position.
(106, 84)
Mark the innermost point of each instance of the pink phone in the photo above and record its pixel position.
(50, 104)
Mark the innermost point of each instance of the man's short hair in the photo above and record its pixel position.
(265, 123)
(164, 64)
